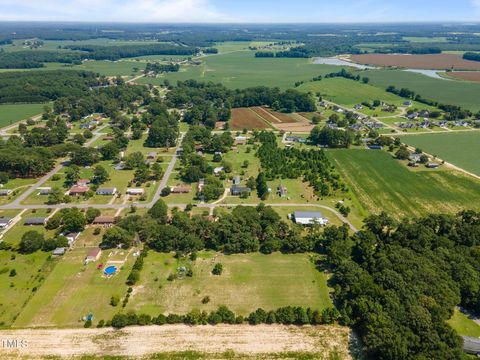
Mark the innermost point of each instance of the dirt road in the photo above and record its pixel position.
(252, 341)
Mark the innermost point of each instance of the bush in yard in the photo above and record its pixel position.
(217, 269)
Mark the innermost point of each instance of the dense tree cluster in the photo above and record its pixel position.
(43, 86)
(332, 138)
(159, 68)
(163, 125)
(113, 53)
(471, 56)
(289, 315)
(398, 283)
(311, 165)
(36, 59)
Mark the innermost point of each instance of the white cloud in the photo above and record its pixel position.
(112, 10)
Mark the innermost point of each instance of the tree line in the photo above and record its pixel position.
(36, 59)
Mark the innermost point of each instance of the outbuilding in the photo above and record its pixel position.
(5, 222)
(104, 220)
(107, 191)
(35, 221)
(93, 255)
(135, 191)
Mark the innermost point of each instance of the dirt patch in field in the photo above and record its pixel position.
(301, 125)
(253, 341)
(245, 118)
(465, 75)
(433, 61)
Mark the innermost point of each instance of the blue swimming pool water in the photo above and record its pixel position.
(110, 270)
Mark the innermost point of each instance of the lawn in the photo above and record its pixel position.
(463, 325)
(381, 183)
(16, 291)
(249, 281)
(240, 69)
(11, 113)
(348, 92)
(14, 234)
(460, 149)
(461, 93)
(74, 290)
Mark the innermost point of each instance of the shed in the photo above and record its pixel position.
(59, 251)
(135, 191)
(45, 191)
(93, 255)
(151, 155)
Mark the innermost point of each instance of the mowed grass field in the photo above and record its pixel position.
(461, 93)
(463, 325)
(249, 281)
(348, 92)
(459, 148)
(11, 113)
(240, 69)
(381, 183)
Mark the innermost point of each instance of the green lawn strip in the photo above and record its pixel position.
(463, 325)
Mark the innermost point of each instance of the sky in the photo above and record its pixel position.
(242, 11)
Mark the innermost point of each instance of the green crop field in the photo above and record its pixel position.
(381, 183)
(461, 93)
(459, 148)
(348, 92)
(240, 69)
(248, 281)
(11, 113)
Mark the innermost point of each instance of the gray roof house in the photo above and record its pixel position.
(309, 218)
(5, 192)
(237, 190)
(5, 222)
(471, 345)
(58, 251)
(35, 221)
(107, 191)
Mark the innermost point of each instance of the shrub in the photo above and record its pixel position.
(114, 300)
(217, 269)
(13, 273)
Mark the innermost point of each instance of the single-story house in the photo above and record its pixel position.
(93, 255)
(35, 221)
(45, 191)
(59, 251)
(471, 345)
(218, 170)
(151, 155)
(104, 220)
(107, 191)
(71, 237)
(433, 166)
(83, 182)
(236, 180)
(375, 147)
(5, 192)
(241, 138)
(78, 190)
(282, 191)
(5, 222)
(180, 189)
(119, 166)
(237, 190)
(309, 218)
(135, 191)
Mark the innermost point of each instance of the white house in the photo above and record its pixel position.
(135, 191)
(309, 218)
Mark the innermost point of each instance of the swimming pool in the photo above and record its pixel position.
(110, 270)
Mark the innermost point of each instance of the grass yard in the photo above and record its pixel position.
(74, 290)
(460, 149)
(461, 93)
(348, 92)
(380, 183)
(16, 291)
(249, 281)
(11, 113)
(240, 69)
(463, 325)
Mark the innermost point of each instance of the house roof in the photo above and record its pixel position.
(94, 252)
(308, 215)
(79, 189)
(35, 221)
(104, 220)
(59, 251)
(106, 190)
(471, 345)
(5, 220)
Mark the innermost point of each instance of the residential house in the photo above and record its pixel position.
(218, 170)
(78, 190)
(309, 218)
(282, 191)
(104, 220)
(180, 189)
(72, 237)
(375, 147)
(237, 190)
(45, 191)
(236, 180)
(151, 155)
(35, 221)
(83, 182)
(433, 166)
(93, 255)
(135, 191)
(5, 192)
(107, 191)
(471, 345)
(5, 222)
(59, 251)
